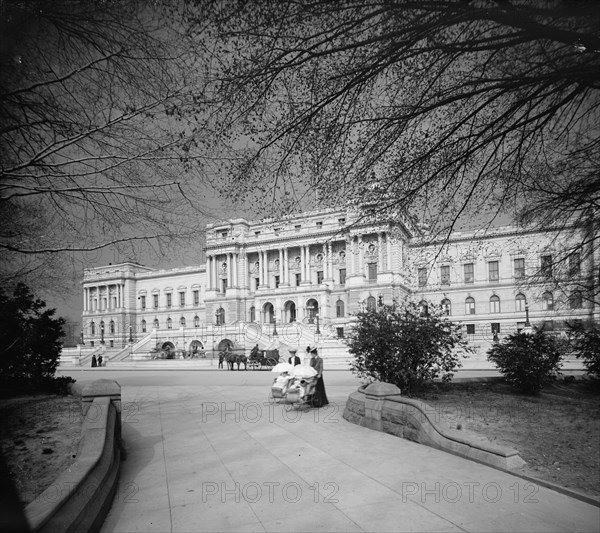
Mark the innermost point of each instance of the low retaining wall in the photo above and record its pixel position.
(80, 498)
(380, 406)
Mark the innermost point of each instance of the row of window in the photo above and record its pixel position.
(546, 270)
(169, 299)
(575, 302)
(223, 234)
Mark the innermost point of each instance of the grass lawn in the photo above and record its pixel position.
(39, 439)
(557, 433)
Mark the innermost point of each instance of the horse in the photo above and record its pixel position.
(232, 358)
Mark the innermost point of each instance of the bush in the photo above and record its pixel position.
(527, 360)
(30, 337)
(404, 346)
(586, 344)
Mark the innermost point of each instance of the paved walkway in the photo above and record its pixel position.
(218, 458)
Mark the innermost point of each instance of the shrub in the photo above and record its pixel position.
(401, 344)
(586, 344)
(527, 360)
(30, 337)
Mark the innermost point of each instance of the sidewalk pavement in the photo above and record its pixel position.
(218, 458)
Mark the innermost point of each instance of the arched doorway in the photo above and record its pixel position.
(225, 345)
(312, 310)
(197, 349)
(289, 310)
(169, 349)
(268, 313)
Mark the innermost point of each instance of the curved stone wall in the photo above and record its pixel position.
(380, 406)
(80, 498)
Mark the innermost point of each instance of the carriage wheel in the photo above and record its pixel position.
(270, 362)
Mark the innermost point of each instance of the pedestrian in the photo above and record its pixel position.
(319, 398)
(99, 360)
(94, 361)
(294, 359)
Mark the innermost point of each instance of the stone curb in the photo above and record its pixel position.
(80, 498)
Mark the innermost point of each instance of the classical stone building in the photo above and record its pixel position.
(299, 280)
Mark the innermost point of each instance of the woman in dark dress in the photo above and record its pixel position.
(319, 398)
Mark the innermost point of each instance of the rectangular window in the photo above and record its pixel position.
(494, 274)
(469, 273)
(495, 327)
(445, 274)
(340, 332)
(519, 268)
(256, 283)
(223, 234)
(277, 231)
(298, 279)
(319, 277)
(257, 233)
(470, 329)
(574, 265)
(546, 266)
(182, 299)
(143, 302)
(223, 286)
(422, 277)
(196, 297)
(276, 282)
(319, 224)
(373, 271)
(155, 298)
(342, 276)
(169, 300)
(297, 227)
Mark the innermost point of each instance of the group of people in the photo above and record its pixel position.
(319, 398)
(96, 362)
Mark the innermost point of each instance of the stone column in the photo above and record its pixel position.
(281, 275)
(229, 272)
(214, 269)
(286, 266)
(361, 266)
(388, 242)
(307, 264)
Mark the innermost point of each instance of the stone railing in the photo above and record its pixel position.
(80, 498)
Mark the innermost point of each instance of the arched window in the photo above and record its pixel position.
(143, 326)
(196, 321)
(423, 308)
(169, 323)
(494, 304)
(156, 323)
(253, 314)
(371, 303)
(182, 321)
(470, 306)
(446, 306)
(93, 328)
(111, 326)
(520, 302)
(548, 301)
(339, 309)
(220, 316)
(576, 300)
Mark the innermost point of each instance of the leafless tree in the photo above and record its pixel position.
(450, 110)
(92, 142)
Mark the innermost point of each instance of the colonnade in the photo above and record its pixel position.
(93, 297)
(235, 268)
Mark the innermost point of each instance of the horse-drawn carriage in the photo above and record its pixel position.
(263, 358)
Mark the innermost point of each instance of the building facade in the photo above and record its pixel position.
(299, 280)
